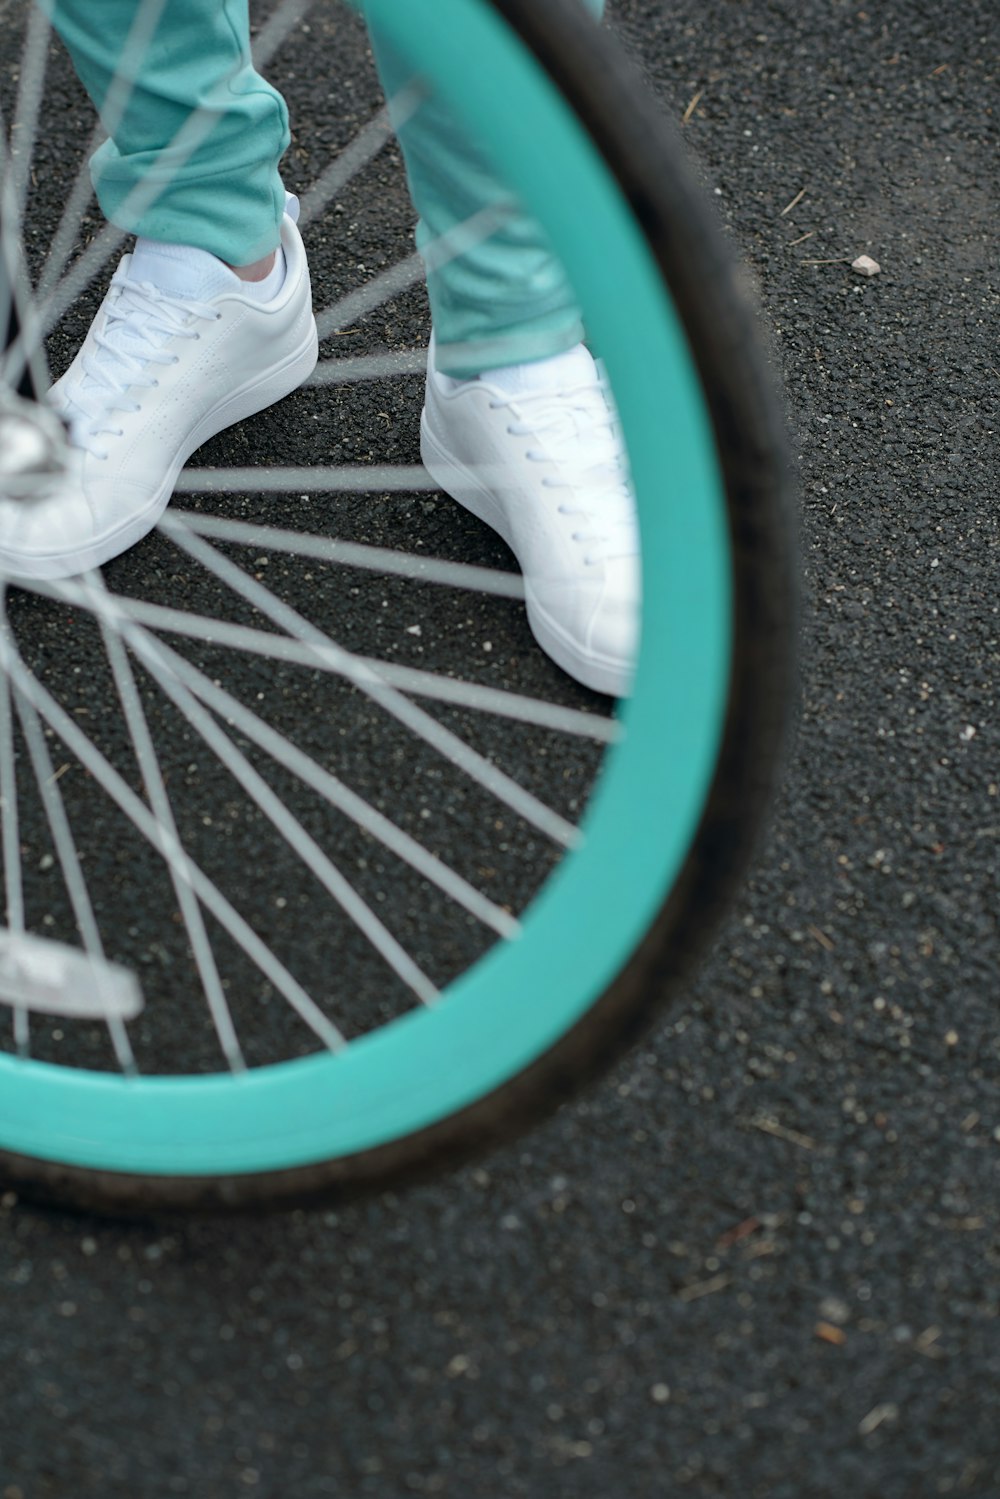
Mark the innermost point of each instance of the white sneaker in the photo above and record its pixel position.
(178, 351)
(535, 452)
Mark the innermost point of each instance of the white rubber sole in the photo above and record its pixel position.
(600, 673)
(249, 399)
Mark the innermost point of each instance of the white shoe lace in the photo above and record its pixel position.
(140, 319)
(580, 433)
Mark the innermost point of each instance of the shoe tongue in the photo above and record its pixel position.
(560, 372)
(181, 270)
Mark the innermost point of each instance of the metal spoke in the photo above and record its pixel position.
(404, 479)
(357, 554)
(113, 107)
(353, 370)
(451, 690)
(16, 300)
(328, 786)
(364, 676)
(260, 792)
(34, 56)
(10, 835)
(363, 149)
(156, 790)
(277, 29)
(400, 277)
(167, 846)
(69, 863)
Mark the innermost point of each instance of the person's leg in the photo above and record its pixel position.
(517, 424)
(178, 351)
(197, 134)
(505, 300)
(183, 345)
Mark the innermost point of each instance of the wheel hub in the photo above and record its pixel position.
(33, 447)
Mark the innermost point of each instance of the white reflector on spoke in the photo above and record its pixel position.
(56, 979)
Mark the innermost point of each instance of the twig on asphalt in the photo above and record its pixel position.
(703, 1288)
(820, 937)
(691, 107)
(772, 1127)
(797, 199)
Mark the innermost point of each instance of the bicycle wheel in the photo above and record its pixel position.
(171, 816)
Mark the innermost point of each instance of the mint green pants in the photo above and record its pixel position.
(212, 178)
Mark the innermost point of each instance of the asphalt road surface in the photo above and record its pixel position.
(763, 1256)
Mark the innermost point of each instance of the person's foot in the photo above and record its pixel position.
(180, 349)
(534, 450)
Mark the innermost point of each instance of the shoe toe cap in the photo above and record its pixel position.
(36, 533)
(616, 617)
(591, 627)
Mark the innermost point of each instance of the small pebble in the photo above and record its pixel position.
(876, 1416)
(834, 1309)
(865, 266)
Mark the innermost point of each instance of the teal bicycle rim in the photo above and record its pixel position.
(527, 993)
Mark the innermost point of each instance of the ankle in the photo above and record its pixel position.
(258, 271)
(267, 279)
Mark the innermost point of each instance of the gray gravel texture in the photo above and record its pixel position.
(762, 1257)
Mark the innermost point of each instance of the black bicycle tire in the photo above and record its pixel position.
(637, 142)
